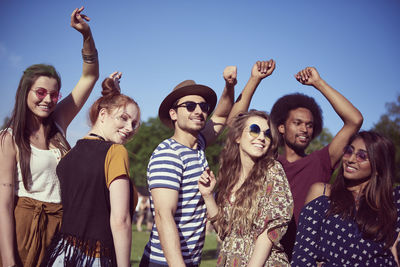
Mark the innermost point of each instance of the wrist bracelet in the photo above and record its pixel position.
(212, 219)
(90, 59)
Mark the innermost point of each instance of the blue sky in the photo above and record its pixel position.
(157, 44)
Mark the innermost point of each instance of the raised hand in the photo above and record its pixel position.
(308, 76)
(207, 182)
(262, 69)
(230, 75)
(78, 21)
(116, 76)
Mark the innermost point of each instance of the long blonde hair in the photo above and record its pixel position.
(245, 206)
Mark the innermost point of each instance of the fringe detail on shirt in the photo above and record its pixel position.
(78, 252)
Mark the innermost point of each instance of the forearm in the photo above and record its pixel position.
(212, 208)
(226, 101)
(7, 228)
(350, 115)
(169, 238)
(261, 251)
(122, 235)
(243, 101)
(89, 48)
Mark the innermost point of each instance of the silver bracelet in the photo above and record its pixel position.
(90, 59)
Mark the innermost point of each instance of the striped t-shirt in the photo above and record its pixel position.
(175, 166)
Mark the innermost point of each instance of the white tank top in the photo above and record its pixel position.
(45, 184)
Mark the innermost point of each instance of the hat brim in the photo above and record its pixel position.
(196, 89)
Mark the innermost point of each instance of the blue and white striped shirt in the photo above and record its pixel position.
(175, 166)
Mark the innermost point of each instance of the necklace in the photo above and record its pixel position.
(98, 136)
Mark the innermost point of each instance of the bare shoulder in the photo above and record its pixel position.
(317, 190)
(7, 143)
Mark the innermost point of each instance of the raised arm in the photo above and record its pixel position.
(7, 170)
(350, 115)
(120, 219)
(165, 204)
(70, 106)
(260, 70)
(218, 119)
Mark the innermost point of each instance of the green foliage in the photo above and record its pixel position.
(152, 133)
(142, 145)
(320, 141)
(389, 125)
(213, 151)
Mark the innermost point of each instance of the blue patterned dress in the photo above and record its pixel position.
(335, 241)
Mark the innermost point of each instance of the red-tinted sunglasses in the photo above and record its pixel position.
(361, 155)
(41, 93)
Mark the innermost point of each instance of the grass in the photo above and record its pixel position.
(140, 239)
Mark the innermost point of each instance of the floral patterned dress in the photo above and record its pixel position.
(275, 209)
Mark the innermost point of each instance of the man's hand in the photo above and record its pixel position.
(262, 69)
(308, 76)
(230, 74)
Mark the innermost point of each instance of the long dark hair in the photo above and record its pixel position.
(21, 115)
(244, 208)
(376, 214)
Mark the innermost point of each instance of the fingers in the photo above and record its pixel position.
(85, 17)
(115, 75)
(265, 68)
(207, 177)
(78, 17)
(304, 75)
(230, 74)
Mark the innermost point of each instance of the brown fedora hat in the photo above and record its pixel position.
(188, 87)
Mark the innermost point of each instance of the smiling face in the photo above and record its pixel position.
(251, 146)
(298, 129)
(356, 167)
(40, 105)
(187, 121)
(119, 125)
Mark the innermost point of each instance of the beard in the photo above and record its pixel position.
(296, 147)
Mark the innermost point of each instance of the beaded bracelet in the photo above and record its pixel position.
(90, 59)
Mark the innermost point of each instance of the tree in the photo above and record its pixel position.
(323, 139)
(142, 145)
(389, 125)
(152, 133)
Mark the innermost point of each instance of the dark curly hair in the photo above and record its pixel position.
(282, 107)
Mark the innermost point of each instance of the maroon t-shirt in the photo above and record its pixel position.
(302, 173)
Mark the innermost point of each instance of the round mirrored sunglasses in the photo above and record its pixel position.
(254, 131)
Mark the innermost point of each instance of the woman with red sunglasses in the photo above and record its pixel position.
(30, 148)
(354, 221)
(253, 203)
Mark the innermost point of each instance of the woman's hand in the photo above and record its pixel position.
(78, 21)
(116, 77)
(207, 182)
